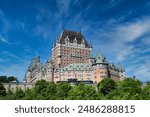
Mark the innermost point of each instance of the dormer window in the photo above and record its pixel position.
(67, 40)
(83, 43)
(75, 42)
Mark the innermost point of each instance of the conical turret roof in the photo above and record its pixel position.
(120, 68)
(100, 58)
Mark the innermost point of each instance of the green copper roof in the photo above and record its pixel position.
(120, 67)
(78, 66)
(100, 58)
(35, 62)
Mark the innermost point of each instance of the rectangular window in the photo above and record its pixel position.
(88, 74)
(80, 72)
(80, 75)
(88, 78)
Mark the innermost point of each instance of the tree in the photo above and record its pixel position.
(2, 90)
(82, 92)
(51, 91)
(145, 95)
(63, 90)
(106, 86)
(39, 92)
(40, 86)
(131, 88)
(29, 94)
(3, 79)
(12, 78)
(19, 93)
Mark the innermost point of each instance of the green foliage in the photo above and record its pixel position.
(51, 91)
(9, 92)
(82, 92)
(11, 78)
(145, 95)
(106, 86)
(63, 90)
(10, 96)
(40, 86)
(129, 89)
(2, 90)
(19, 93)
(30, 94)
(5, 79)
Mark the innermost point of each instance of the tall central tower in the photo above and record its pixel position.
(71, 47)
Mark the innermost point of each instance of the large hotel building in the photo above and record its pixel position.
(72, 59)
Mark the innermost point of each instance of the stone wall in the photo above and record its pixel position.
(14, 86)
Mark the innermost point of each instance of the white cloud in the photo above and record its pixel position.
(76, 1)
(14, 65)
(9, 54)
(3, 39)
(21, 25)
(146, 40)
(140, 70)
(42, 30)
(120, 35)
(5, 22)
(113, 3)
(122, 55)
(63, 6)
(15, 69)
(131, 31)
(126, 32)
(120, 42)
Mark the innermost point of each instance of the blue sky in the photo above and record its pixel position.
(118, 28)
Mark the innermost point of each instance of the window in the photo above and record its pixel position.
(88, 78)
(80, 75)
(100, 65)
(102, 76)
(88, 74)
